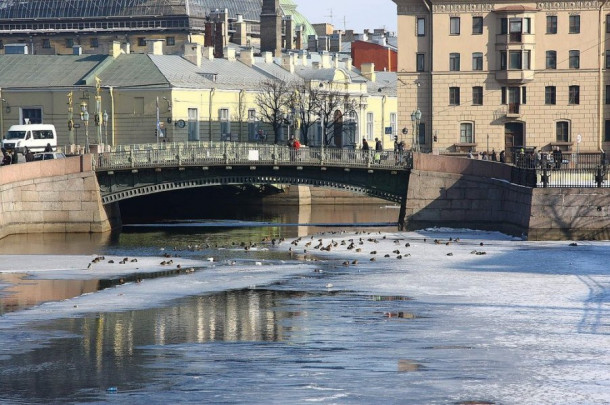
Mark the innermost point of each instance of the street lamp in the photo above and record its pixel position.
(105, 120)
(415, 120)
(84, 116)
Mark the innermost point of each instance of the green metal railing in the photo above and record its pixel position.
(246, 154)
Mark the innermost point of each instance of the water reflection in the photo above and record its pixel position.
(106, 346)
(25, 292)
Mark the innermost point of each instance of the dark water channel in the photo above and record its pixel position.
(116, 356)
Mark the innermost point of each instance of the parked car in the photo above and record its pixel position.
(35, 137)
(49, 155)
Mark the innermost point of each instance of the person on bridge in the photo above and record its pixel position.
(378, 145)
(365, 144)
(29, 156)
(557, 157)
(49, 148)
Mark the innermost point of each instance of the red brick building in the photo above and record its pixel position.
(384, 57)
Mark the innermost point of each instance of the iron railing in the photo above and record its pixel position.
(246, 154)
(566, 170)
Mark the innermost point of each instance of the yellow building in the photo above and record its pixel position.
(505, 75)
(131, 98)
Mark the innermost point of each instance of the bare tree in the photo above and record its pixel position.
(304, 102)
(272, 100)
(332, 104)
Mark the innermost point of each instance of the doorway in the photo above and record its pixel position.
(513, 138)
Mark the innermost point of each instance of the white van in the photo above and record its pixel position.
(35, 137)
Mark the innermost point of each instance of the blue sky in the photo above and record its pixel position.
(358, 14)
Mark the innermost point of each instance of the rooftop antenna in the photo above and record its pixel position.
(330, 15)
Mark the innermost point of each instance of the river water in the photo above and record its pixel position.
(433, 317)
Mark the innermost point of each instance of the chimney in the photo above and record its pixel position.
(116, 49)
(76, 50)
(219, 40)
(315, 65)
(268, 57)
(271, 27)
(336, 61)
(229, 54)
(154, 46)
(304, 56)
(323, 43)
(335, 42)
(208, 34)
(312, 43)
(298, 40)
(208, 52)
(221, 16)
(289, 32)
(368, 70)
(288, 62)
(241, 34)
(325, 60)
(348, 64)
(192, 53)
(127, 47)
(246, 56)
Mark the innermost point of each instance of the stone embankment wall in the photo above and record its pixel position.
(459, 192)
(53, 196)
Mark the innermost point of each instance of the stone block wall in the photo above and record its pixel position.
(53, 196)
(458, 192)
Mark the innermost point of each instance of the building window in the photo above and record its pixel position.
(607, 94)
(46, 43)
(477, 25)
(454, 25)
(608, 23)
(393, 123)
(193, 124)
(31, 115)
(503, 95)
(370, 125)
(252, 126)
(454, 96)
(454, 62)
(466, 132)
(420, 62)
(515, 61)
(421, 26)
(225, 123)
(170, 41)
(574, 24)
(477, 95)
(477, 61)
(607, 131)
(141, 41)
(607, 59)
(1, 44)
(551, 59)
(574, 95)
(574, 59)
(551, 24)
(550, 95)
(562, 131)
(69, 43)
(94, 43)
(421, 133)
(502, 60)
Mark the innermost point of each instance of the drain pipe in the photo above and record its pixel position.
(600, 89)
(212, 91)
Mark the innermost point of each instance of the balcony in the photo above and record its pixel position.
(513, 110)
(515, 76)
(514, 40)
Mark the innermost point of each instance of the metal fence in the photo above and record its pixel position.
(252, 154)
(566, 169)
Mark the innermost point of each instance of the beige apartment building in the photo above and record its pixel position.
(504, 75)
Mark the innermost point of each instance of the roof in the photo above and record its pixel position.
(133, 70)
(87, 9)
(33, 71)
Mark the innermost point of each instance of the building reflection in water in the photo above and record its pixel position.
(108, 348)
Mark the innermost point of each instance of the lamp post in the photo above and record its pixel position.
(415, 119)
(105, 120)
(84, 116)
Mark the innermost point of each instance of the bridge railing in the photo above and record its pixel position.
(231, 153)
